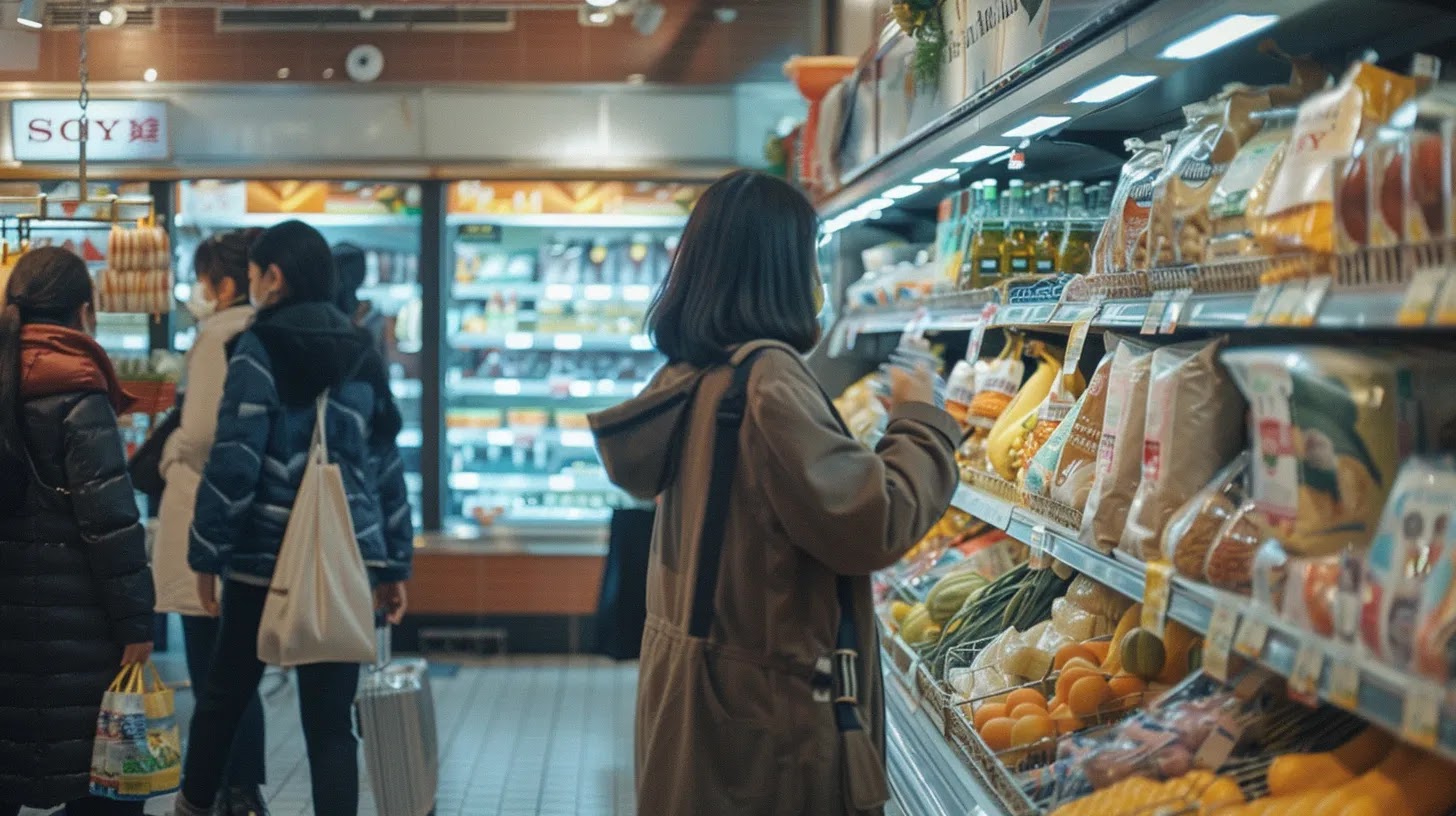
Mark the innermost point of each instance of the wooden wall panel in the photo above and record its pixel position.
(464, 583)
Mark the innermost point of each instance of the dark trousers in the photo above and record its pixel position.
(325, 699)
(90, 806)
(246, 767)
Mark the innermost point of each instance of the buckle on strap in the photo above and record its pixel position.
(846, 676)
(823, 680)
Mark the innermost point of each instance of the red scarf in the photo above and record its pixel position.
(57, 360)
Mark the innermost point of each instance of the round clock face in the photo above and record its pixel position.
(365, 63)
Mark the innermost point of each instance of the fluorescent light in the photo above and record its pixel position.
(877, 204)
(559, 292)
(599, 17)
(149, 75)
(517, 341)
(500, 438)
(1037, 124)
(640, 342)
(567, 342)
(980, 153)
(1216, 35)
(637, 293)
(935, 176)
(601, 3)
(598, 291)
(506, 388)
(1111, 89)
(903, 191)
(562, 482)
(30, 14)
(577, 439)
(580, 388)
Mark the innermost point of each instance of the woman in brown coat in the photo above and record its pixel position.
(759, 690)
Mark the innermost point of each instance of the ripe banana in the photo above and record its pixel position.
(1020, 416)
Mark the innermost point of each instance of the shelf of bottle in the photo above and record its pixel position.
(542, 389)
(318, 220)
(507, 437)
(586, 481)
(560, 341)
(1379, 694)
(608, 221)
(556, 292)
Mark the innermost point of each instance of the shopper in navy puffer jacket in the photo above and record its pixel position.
(299, 345)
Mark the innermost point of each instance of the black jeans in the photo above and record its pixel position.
(246, 767)
(90, 806)
(325, 699)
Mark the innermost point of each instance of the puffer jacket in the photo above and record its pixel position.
(74, 584)
(276, 370)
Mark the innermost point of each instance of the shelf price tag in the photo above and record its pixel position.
(1040, 558)
(1420, 716)
(915, 329)
(978, 333)
(1291, 297)
(1220, 643)
(1176, 308)
(989, 509)
(1421, 295)
(1263, 303)
(1345, 682)
(1445, 314)
(1157, 595)
(1307, 314)
(1252, 635)
(1157, 306)
(1076, 341)
(1304, 678)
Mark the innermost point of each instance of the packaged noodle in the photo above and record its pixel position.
(1193, 530)
(1329, 427)
(1239, 199)
(1119, 450)
(1075, 466)
(1131, 202)
(1300, 212)
(1194, 425)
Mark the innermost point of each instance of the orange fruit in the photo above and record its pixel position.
(1065, 721)
(1126, 685)
(1027, 710)
(1099, 649)
(1070, 676)
(1030, 729)
(1361, 806)
(1025, 695)
(987, 712)
(1070, 651)
(997, 733)
(1055, 702)
(1087, 695)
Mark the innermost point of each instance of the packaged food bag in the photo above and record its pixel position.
(1230, 561)
(1037, 475)
(1194, 426)
(138, 750)
(1132, 201)
(1120, 448)
(1073, 470)
(1193, 530)
(1239, 200)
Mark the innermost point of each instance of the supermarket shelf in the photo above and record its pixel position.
(926, 776)
(1382, 693)
(543, 389)
(506, 437)
(562, 341)
(573, 221)
(524, 482)
(406, 389)
(321, 220)
(556, 292)
(389, 292)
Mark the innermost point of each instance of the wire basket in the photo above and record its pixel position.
(992, 484)
(1375, 267)
(1062, 514)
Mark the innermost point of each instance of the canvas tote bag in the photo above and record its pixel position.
(320, 607)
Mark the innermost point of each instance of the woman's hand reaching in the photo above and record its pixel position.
(911, 385)
(392, 600)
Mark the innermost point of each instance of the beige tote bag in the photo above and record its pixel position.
(320, 607)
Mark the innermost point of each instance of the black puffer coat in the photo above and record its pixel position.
(74, 583)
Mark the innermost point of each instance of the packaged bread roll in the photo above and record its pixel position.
(1075, 466)
(1119, 450)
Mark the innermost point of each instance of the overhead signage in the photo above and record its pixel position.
(117, 130)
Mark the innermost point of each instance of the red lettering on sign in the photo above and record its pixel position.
(40, 131)
(106, 128)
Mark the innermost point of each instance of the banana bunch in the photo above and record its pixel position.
(1009, 434)
(995, 388)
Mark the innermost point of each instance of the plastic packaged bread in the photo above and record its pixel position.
(1194, 529)
(1073, 470)
(1119, 449)
(1132, 201)
(1194, 426)
(1238, 201)
(1230, 561)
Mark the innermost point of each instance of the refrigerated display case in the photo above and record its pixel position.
(548, 285)
(382, 218)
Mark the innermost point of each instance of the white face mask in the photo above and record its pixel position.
(201, 306)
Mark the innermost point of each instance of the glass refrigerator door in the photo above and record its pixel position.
(543, 326)
(381, 218)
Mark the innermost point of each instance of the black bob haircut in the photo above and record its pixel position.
(304, 258)
(745, 270)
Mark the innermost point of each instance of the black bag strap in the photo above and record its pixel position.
(843, 677)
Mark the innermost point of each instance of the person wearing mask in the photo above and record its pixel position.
(298, 347)
(75, 593)
(219, 303)
(350, 262)
(759, 687)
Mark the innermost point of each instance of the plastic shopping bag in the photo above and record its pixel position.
(138, 750)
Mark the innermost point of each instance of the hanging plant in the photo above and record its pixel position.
(920, 19)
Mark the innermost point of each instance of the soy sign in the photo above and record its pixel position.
(117, 130)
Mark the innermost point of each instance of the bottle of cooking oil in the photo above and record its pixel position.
(1018, 245)
(983, 260)
(1051, 222)
(1075, 254)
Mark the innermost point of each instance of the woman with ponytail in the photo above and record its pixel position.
(219, 303)
(75, 593)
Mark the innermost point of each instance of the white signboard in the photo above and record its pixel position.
(987, 38)
(49, 130)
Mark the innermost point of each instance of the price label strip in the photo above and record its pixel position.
(1218, 648)
(1291, 297)
(1263, 303)
(1076, 341)
(1177, 307)
(989, 509)
(1157, 595)
(1315, 293)
(1040, 558)
(1445, 314)
(1253, 633)
(1421, 296)
(978, 333)
(1420, 717)
(1156, 308)
(1345, 682)
(1304, 678)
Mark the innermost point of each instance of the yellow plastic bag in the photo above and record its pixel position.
(138, 749)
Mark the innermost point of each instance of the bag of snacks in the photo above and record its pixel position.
(1193, 530)
(1037, 476)
(1194, 426)
(1120, 447)
(1073, 469)
(1230, 561)
(1117, 244)
(1238, 202)
(1435, 654)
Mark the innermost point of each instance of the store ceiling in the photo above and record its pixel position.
(546, 43)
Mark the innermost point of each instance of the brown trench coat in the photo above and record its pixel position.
(728, 724)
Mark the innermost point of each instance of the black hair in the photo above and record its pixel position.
(303, 256)
(49, 284)
(224, 256)
(349, 261)
(745, 270)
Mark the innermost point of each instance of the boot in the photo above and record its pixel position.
(184, 808)
(245, 801)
